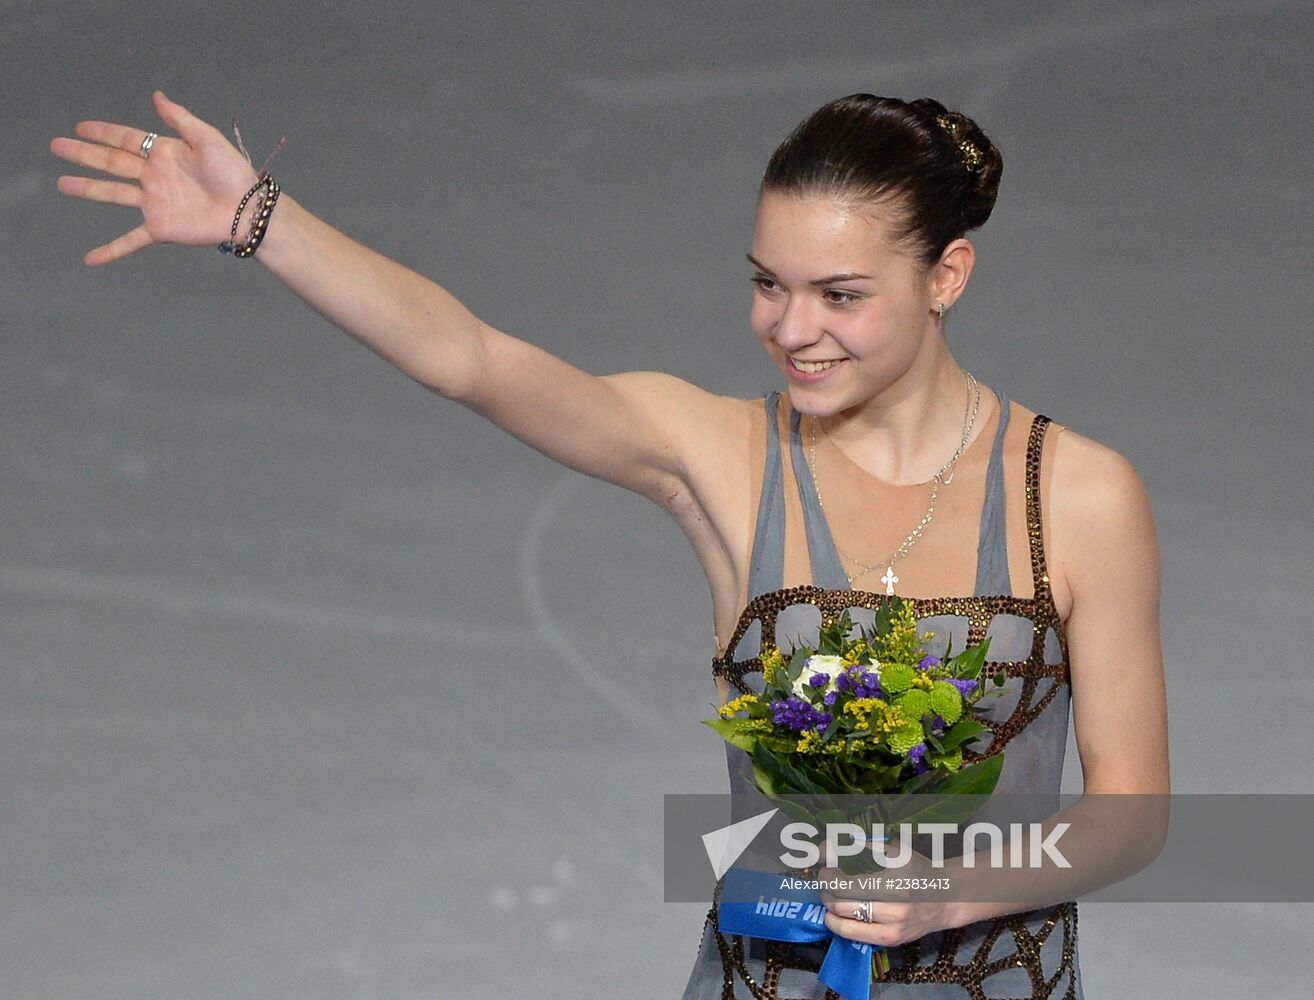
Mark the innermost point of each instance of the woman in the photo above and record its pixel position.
(906, 469)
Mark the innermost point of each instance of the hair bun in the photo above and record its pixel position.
(977, 155)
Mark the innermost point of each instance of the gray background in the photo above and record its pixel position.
(316, 685)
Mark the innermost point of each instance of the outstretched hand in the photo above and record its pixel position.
(187, 190)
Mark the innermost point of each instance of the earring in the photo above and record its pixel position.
(942, 310)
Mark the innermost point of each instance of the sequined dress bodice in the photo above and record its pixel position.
(1031, 954)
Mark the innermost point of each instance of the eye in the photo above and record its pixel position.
(762, 282)
(843, 298)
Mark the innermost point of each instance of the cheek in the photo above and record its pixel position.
(860, 336)
(762, 317)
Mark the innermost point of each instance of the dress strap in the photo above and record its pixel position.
(766, 567)
(992, 548)
(1039, 573)
(823, 557)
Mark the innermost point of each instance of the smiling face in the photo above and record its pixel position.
(829, 286)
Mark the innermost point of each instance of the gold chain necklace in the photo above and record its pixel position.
(937, 480)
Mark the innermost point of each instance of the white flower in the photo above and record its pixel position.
(817, 664)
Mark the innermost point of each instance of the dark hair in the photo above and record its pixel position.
(935, 167)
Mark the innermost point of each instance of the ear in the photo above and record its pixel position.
(948, 277)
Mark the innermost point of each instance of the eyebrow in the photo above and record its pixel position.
(817, 281)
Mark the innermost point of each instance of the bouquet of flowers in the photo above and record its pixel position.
(866, 715)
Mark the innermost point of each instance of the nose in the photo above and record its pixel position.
(797, 326)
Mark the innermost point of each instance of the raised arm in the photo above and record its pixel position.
(634, 429)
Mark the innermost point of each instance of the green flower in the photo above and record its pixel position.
(946, 700)
(906, 737)
(896, 677)
(914, 704)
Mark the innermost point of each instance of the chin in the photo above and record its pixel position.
(815, 400)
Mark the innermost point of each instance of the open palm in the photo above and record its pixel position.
(187, 190)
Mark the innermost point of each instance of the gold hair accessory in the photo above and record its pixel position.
(972, 156)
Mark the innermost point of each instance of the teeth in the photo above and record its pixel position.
(810, 366)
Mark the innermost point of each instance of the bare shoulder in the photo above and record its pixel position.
(1100, 523)
(1094, 486)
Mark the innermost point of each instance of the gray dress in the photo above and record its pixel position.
(1029, 954)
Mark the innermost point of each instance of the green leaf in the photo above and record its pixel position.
(968, 663)
(917, 785)
(794, 668)
(885, 609)
(847, 780)
(975, 779)
(879, 779)
(767, 780)
(794, 808)
(791, 777)
(831, 729)
(949, 799)
(729, 731)
(960, 732)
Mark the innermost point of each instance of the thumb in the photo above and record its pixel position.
(182, 121)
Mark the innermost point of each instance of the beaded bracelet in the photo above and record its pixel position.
(259, 220)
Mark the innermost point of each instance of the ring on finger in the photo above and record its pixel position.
(147, 143)
(862, 911)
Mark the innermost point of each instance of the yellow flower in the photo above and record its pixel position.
(809, 742)
(887, 719)
(862, 708)
(736, 705)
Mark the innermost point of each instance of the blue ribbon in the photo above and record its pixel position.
(755, 904)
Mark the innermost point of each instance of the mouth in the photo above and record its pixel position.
(814, 368)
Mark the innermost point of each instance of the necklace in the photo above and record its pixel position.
(937, 480)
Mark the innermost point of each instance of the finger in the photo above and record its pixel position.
(880, 912)
(182, 121)
(106, 158)
(129, 242)
(111, 192)
(858, 930)
(121, 137)
(879, 890)
(847, 889)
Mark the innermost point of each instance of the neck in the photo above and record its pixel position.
(909, 429)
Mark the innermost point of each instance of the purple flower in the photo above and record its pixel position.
(798, 715)
(937, 725)
(918, 757)
(870, 687)
(863, 683)
(928, 661)
(829, 697)
(965, 687)
(819, 680)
